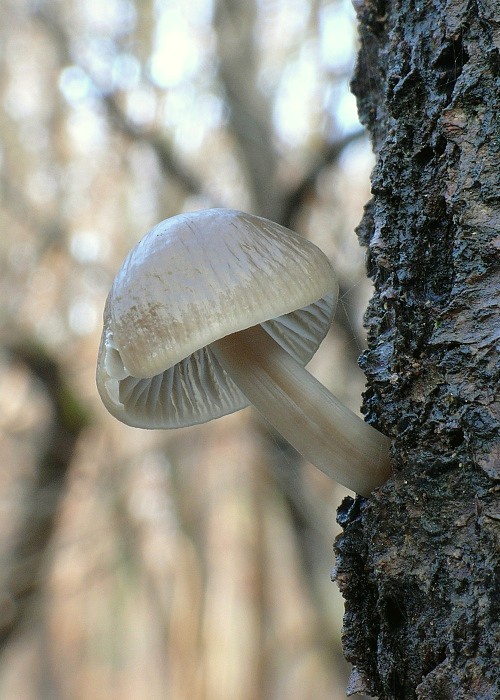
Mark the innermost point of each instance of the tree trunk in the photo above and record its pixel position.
(418, 562)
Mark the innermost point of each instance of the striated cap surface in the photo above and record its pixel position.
(191, 280)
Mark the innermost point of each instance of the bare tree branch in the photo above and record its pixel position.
(295, 199)
(170, 165)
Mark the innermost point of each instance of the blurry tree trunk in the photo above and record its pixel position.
(22, 565)
(418, 563)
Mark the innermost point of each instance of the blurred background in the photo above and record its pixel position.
(192, 564)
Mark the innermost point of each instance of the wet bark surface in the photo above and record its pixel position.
(418, 562)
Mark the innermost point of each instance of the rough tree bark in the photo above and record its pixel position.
(418, 562)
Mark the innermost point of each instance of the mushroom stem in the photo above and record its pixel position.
(304, 412)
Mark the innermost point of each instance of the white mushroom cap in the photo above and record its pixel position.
(193, 279)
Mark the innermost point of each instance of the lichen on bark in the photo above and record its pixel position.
(418, 562)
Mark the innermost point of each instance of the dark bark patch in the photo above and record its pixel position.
(418, 562)
(449, 65)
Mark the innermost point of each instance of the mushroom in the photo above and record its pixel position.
(216, 309)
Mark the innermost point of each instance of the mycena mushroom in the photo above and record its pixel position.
(216, 309)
